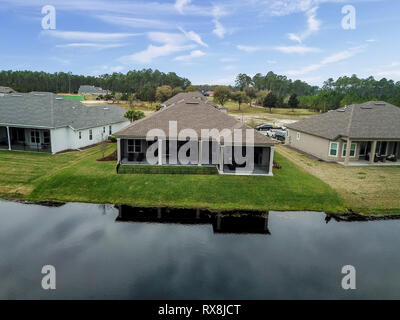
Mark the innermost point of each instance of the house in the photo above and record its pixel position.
(85, 89)
(6, 90)
(359, 134)
(46, 122)
(190, 130)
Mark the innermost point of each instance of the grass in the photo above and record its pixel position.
(147, 169)
(79, 97)
(373, 190)
(78, 177)
(233, 107)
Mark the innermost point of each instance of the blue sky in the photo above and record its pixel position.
(205, 41)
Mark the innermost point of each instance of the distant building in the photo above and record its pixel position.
(92, 90)
(46, 122)
(6, 90)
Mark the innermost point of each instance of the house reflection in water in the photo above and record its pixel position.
(245, 222)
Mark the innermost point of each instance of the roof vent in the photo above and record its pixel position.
(366, 107)
(192, 102)
(380, 103)
(342, 110)
(106, 108)
(16, 95)
(59, 98)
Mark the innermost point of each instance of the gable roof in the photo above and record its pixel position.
(85, 89)
(370, 120)
(195, 95)
(6, 90)
(47, 110)
(189, 113)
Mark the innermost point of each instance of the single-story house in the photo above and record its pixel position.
(49, 123)
(359, 134)
(6, 90)
(85, 89)
(193, 131)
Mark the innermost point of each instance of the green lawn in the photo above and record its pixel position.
(77, 176)
(233, 107)
(80, 97)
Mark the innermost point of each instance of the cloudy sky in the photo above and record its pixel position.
(205, 41)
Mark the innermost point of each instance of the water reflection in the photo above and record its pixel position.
(246, 222)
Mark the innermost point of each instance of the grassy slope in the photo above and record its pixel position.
(80, 178)
(73, 97)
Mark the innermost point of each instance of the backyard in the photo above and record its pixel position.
(78, 177)
(366, 189)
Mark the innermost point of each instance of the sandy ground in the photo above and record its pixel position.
(372, 188)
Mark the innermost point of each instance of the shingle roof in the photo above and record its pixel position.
(84, 89)
(370, 120)
(6, 90)
(48, 110)
(189, 113)
(196, 95)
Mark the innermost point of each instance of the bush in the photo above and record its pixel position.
(112, 139)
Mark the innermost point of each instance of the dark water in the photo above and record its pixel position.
(99, 252)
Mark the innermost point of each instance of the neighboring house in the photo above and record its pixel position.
(194, 113)
(49, 123)
(6, 90)
(92, 90)
(195, 95)
(357, 134)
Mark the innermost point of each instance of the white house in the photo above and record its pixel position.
(45, 122)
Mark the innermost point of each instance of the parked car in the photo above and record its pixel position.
(265, 127)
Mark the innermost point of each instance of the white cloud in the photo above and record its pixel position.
(171, 43)
(107, 69)
(249, 49)
(134, 22)
(180, 5)
(334, 58)
(227, 60)
(219, 29)
(313, 25)
(193, 36)
(297, 49)
(87, 36)
(91, 45)
(194, 54)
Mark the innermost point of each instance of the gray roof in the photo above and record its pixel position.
(370, 120)
(189, 113)
(91, 90)
(196, 95)
(47, 110)
(6, 90)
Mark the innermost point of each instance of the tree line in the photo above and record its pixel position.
(272, 90)
(132, 82)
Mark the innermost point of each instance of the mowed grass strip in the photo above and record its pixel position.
(90, 181)
(20, 170)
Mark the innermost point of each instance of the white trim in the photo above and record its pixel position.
(330, 148)
(344, 149)
(298, 136)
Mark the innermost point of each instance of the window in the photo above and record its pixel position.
(352, 150)
(35, 136)
(80, 135)
(134, 146)
(110, 129)
(90, 134)
(381, 148)
(298, 136)
(333, 149)
(46, 137)
(104, 129)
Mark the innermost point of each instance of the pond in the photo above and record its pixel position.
(118, 252)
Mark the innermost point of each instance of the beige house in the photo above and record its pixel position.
(363, 134)
(176, 136)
